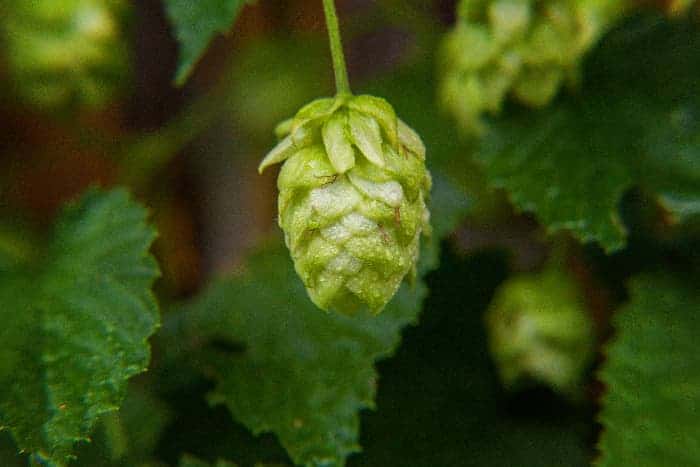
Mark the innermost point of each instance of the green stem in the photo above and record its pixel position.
(342, 84)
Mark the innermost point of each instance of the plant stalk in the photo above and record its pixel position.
(342, 84)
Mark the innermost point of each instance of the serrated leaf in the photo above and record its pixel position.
(303, 374)
(566, 167)
(635, 121)
(652, 373)
(196, 23)
(76, 331)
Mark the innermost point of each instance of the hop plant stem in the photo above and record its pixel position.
(342, 83)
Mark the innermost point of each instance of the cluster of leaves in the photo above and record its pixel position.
(80, 310)
(634, 123)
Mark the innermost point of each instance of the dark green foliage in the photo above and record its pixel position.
(653, 377)
(440, 401)
(304, 374)
(75, 331)
(196, 24)
(628, 126)
(246, 370)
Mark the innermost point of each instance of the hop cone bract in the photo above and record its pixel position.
(66, 54)
(352, 200)
(523, 48)
(539, 330)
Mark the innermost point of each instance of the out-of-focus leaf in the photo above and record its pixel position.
(191, 461)
(129, 436)
(440, 402)
(76, 331)
(142, 419)
(302, 374)
(273, 77)
(9, 457)
(635, 122)
(650, 412)
(672, 166)
(16, 245)
(448, 206)
(196, 23)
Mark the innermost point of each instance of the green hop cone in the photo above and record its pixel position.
(522, 48)
(352, 200)
(539, 330)
(66, 54)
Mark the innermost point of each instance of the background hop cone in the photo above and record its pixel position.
(523, 48)
(540, 331)
(352, 200)
(66, 54)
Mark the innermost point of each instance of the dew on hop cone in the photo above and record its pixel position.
(352, 200)
(523, 48)
(539, 330)
(66, 54)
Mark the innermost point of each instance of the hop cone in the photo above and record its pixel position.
(352, 200)
(523, 48)
(540, 331)
(65, 54)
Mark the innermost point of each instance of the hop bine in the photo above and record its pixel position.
(352, 200)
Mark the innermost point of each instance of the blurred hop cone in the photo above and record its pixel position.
(352, 200)
(523, 48)
(65, 55)
(539, 331)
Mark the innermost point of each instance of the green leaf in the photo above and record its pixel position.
(440, 401)
(141, 421)
(650, 412)
(570, 164)
(9, 457)
(302, 374)
(191, 461)
(305, 374)
(131, 435)
(76, 331)
(196, 23)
